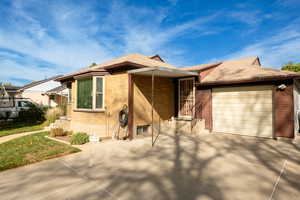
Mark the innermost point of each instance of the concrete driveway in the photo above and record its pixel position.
(178, 167)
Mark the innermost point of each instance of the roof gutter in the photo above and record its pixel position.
(169, 71)
(253, 80)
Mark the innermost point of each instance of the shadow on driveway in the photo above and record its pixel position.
(179, 166)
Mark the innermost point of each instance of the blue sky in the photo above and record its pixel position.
(40, 38)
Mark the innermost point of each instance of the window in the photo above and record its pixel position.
(24, 104)
(90, 93)
(99, 92)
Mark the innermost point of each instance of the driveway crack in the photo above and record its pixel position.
(278, 179)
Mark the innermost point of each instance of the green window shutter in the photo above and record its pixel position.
(84, 93)
(99, 92)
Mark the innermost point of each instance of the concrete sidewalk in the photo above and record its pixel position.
(177, 167)
(13, 136)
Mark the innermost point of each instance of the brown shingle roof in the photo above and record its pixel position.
(200, 67)
(248, 60)
(134, 59)
(57, 89)
(138, 59)
(236, 72)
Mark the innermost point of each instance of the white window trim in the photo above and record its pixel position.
(93, 95)
(94, 92)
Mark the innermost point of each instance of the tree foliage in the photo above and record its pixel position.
(5, 84)
(290, 66)
(93, 64)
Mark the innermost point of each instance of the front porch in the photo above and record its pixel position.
(158, 98)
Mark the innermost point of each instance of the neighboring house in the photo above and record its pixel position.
(236, 96)
(58, 95)
(9, 91)
(45, 92)
(8, 94)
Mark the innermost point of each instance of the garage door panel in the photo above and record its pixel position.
(227, 108)
(233, 129)
(245, 120)
(261, 132)
(243, 110)
(263, 88)
(242, 95)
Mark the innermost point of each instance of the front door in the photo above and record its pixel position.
(186, 98)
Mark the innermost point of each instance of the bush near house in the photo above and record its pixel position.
(53, 114)
(57, 132)
(33, 119)
(79, 138)
(34, 114)
(27, 120)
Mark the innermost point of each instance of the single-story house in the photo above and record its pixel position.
(9, 91)
(46, 92)
(235, 96)
(7, 95)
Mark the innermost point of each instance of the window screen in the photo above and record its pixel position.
(84, 93)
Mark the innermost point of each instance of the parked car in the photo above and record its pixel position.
(10, 108)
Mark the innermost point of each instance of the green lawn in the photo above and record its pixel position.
(30, 149)
(17, 127)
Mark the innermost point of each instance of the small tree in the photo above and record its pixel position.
(6, 84)
(290, 66)
(93, 64)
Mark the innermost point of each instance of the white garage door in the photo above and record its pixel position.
(243, 110)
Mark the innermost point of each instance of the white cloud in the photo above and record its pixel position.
(274, 51)
(73, 36)
(11, 70)
(250, 17)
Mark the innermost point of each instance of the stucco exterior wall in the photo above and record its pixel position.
(44, 87)
(37, 97)
(164, 100)
(103, 123)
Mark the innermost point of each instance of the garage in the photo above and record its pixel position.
(243, 110)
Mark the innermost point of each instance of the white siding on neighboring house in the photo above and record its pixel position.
(36, 93)
(44, 87)
(36, 97)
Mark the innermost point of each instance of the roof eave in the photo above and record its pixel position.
(201, 69)
(105, 68)
(124, 64)
(71, 76)
(252, 80)
(168, 72)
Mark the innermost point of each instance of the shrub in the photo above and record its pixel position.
(69, 132)
(32, 115)
(63, 108)
(57, 132)
(53, 114)
(79, 138)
